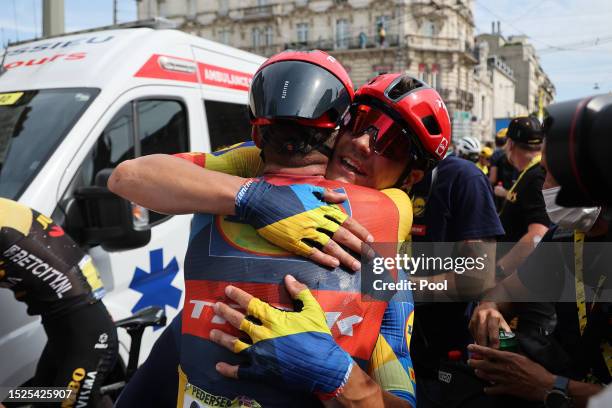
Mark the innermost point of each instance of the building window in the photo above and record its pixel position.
(262, 3)
(302, 32)
(225, 36)
(428, 28)
(422, 72)
(192, 6)
(269, 35)
(342, 33)
(256, 37)
(434, 76)
(162, 8)
(483, 101)
(223, 7)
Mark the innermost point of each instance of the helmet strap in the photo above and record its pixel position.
(301, 140)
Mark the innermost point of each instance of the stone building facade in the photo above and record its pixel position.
(531, 80)
(432, 40)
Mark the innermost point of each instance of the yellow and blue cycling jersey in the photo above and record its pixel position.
(223, 251)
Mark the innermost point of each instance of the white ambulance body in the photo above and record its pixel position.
(74, 105)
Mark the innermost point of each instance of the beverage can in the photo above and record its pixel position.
(508, 341)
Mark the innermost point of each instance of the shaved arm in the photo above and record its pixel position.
(171, 185)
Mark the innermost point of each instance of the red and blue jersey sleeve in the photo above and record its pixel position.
(242, 159)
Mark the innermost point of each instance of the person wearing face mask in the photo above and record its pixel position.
(569, 267)
(580, 218)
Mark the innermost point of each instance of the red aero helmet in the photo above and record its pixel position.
(310, 87)
(411, 101)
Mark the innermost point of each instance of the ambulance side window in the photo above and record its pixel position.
(228, 123)
(115, 144)
(162, 127)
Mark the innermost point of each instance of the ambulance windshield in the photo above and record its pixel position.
(32, 125)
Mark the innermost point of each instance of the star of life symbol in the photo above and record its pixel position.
(155, 285)
(345, 325)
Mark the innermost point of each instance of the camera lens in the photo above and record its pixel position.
(578, 147)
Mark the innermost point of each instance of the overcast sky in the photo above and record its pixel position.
(573, 37)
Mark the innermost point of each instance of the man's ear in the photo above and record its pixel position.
(413, 177)
(256, 136)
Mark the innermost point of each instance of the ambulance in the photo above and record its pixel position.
(72, 107)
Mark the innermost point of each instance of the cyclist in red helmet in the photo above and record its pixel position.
(356, 160)
(404, 118)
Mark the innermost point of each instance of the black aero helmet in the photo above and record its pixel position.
(309, 87)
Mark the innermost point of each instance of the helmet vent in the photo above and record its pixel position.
(405, 85)
(431, 125)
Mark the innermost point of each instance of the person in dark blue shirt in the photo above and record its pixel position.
(453, 203)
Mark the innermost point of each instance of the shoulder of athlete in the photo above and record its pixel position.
(242, 159)
(404, 208)
(15, 215)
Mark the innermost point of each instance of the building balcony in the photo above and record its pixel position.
(255, 13)
(445, 93)
(351, 43)
(426, 43)
(441, 44)
(461, 99)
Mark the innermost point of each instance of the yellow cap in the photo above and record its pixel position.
(486, 152)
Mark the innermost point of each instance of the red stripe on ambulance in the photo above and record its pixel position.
(208, 74)
(226, 78)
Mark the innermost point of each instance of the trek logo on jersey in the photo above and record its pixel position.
(353, 323)
(344, 325)
(56, 280)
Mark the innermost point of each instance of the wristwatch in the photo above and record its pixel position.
(557, 397)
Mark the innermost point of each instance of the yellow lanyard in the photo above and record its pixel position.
(606, 348)
(533, 162)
